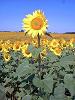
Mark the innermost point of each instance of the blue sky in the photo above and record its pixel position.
(60, 14)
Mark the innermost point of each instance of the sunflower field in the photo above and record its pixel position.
(42, 69)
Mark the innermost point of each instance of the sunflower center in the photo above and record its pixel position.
(58, 50)
(27, 52)
(37, 23)
(6, 56)
(54, 43)
(17, 46)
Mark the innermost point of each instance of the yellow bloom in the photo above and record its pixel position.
(72, 40)
(35, 43)
(8, 42)
(57, 51)
(45, 42)
(17, 46)
(43, 53)
(62, 43)
(5, 48)
(26, 53)
(54, 43)
(35, 23)
(51, 48)
(22, 43)
(6, 56)
(24, 47)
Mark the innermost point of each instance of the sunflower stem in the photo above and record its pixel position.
(39, 57)
(39, 62)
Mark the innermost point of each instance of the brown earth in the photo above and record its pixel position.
(21, 36)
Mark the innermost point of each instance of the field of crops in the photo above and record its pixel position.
(29, 71)
(21, 36)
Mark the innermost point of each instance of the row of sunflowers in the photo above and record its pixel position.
(54, 45)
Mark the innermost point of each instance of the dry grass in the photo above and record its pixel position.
(20, 36)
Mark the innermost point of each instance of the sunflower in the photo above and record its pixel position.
(57, 51)
(35, 43)
(6, 56)
(5, 47)
(71, 42)
(45, 42)
(26, 53)
(51, 48)
(17, 46)
(35, 23)
(54, 43)
(8, 44)
(24, 47)
(62, 43)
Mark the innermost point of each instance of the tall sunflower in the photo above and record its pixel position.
(35, 23)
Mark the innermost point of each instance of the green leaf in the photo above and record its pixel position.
(27, 97)
(35, 51)
(8, 68)
(1, 62)
(70, 83)
(9, 89)
(59, 92)
(51, 57)
(48, 83)
(24, 69)
(22, 84)
(37, 82)
(2, 93)
(30, 47)
(7, 80)
(66, 61)
(52, 98)
(2, 88)
(68, 58)
(40, 98)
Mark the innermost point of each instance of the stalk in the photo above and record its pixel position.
(39, 63)
(39, 57)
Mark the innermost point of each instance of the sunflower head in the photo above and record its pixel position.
(17, 46)
(6, 56)
(57, 51)
(54, 43)
(26, 53)
(35, 23)
(5, 47)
